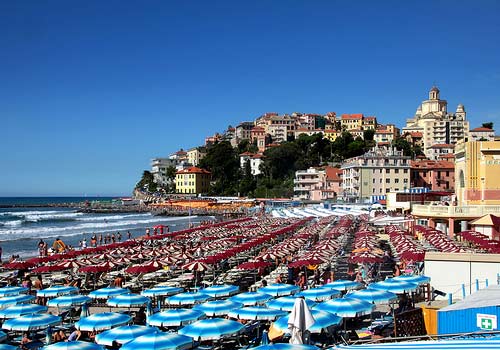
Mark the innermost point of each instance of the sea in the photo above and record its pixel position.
(22, 228)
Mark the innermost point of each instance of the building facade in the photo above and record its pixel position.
(482, 134)
(159, 168)
(194, 155)
(192, 180)
(433, 175)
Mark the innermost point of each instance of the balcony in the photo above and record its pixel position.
(470, 211)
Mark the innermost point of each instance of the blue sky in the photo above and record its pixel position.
(90, 91)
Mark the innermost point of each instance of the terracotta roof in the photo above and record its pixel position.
(331, 131)
(383, 143)
(333, 174)
(442, 145)
(257, 156)
(416, 134)
(383, 131)
(257, 129)
(246, 154)
(370, 118)
(432, 164)
(193, 170)
(447, 155)
(352, 116)
(481, 129)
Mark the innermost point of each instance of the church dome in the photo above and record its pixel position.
(434, 88)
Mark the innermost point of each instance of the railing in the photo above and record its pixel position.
(462, 211)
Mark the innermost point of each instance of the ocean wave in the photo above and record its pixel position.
(102, 217)
(35, 212)
(13, 223)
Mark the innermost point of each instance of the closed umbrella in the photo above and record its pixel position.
(31, 322)
(220, 290)
(160, 341)
(299, 321)
(123, 334)
(279, 289)
(102, 321)
(186, 299)
(322, 319)
(319, 294)
(128, 300)
(11, 290)
(256, 313)
(211, 329)
(73, 345)
(22, 309)
(251, 298)
(55, 291)
(107, 292)
(217, 307)
(286, 303)
(175, 317)
(346, 307)
(15, 299)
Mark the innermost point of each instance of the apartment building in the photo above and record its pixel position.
(433, 175)
(192, 180)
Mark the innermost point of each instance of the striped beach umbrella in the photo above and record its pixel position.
(174, 317)
(285, 346)
(55, 291)
(15, 299)
(218, 291)
(346, 307)
(107, 292)
(256, 313)
(8, 347)
(3, 336)
(69, 300)
(420, 279)
(102, 321)
(319, 294)
(187, 299)
(322, 320)
(12, 290)
(394, 286)
(211, 329)
(251, 298)
(161, 291)
(73, 345)
(279, 289)
(343, 285)
(22, 309)
(286, 303)
(160, 341)
(31, 322)
(123, 334)
(128, 300)
(217, 307)
(373, 295)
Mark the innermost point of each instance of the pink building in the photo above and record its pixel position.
(436, 175)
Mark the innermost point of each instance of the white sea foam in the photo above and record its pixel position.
(42, 217)
(13, 223)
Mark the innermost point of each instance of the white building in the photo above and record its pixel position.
(159, 168)
(482, 134)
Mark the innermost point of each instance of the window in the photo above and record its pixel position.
(387, 171)
(396, 181)
(396, 171)
(387, 181)
(387, 190)
(405, 171)
(373, 181)
(405, 181)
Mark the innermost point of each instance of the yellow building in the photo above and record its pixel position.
(192, 180)
(332, 134)
(477, 172)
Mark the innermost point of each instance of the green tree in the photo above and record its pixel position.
(368, 134)
(223, 161)
(488, 125)
(146, 183)
(403, 145)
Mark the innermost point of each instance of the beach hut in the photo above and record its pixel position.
(477, 312)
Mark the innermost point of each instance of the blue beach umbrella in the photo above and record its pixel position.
(161, 291)
(15, 299)
(187, 298)
(286, 303)
(160, 341)
(175, 317)
(123, 334)
(346, 307)
(219, 291)
(319, 294)
(73, 345)
(128, 300)
(217, 307)
(55, 291)
(107, 292)
(3, 336)
(256, 313)
(343, 285)
(251, 298)
(279, 289)
(322, 320)
(373, 295)
(211, 329)
(102, 321)
(394, 286)
(69, 300)
(12, 290)
(420, 279)
(285, 346)
(22, 309)
(8, 347)
(31, 322)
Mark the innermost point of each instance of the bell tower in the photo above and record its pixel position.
(434, 93)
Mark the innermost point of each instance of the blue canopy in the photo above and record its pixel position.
(73, 345)
(217, 307)
(430, 344)
(174, 317)
(373, 295)
(69, 300)
(420, 279)
(346, 307)
(107, 292)
(123, 334)
(319, 294)
(211, 329)
(251, 298)
(394, 286)
(187, 298)
(285, 346)
(55, 291)
(286, 303)
(128, 300)
(279, 289)
(15, 299)
(31, 322)
(159, 341)
(218, 291)
(22, 309)
(343, 285)
(322, 320)
(12, 290)
(101, 321)
(256, 313)
(162, 291)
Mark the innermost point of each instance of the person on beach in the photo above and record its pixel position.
(59, 246)
(301, 280)
(100, 238)
(38, 285)
(75, 335)
(118, 282)
(129, 235)
(119, 237)
(41, 246)
(25, 341)
(93, 240)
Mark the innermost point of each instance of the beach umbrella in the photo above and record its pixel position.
(102, 321)
(346, 307)
(3, 336)
(256, 313)
(174, 317)
(187, 298)
(160, 341)
(19, 265)
(420, 279)
(21, 309)
(253, 265)
(73, 345)
(15, 299)
(343, 285)
(55, 291)
(251, 298)
(279, 289)
(286, 303)
(161, 291)
(107, 292)
(94, 269)
(373, 295)
(322, 320)
(220, 290)
(138, 269)
(394, 286)
(11, 290)
(299, 320)
(128, 300)
(31, 322)
(211, 329)
(8, 347)
(285, 346)
(217, 307)
(69, 300)
(319, 294)
(123, 334)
